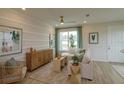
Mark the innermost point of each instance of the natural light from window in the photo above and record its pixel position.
(68, 39)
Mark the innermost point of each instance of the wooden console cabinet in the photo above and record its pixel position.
(35, 59)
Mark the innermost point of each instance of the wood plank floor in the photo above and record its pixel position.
(103, 74)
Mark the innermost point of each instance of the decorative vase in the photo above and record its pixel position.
(31, 49)
(75, 68)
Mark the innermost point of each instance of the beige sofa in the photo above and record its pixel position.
(86, 68)
(11, 74)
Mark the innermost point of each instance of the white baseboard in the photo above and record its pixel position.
(101, 60)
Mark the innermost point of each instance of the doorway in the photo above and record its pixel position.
(115, 43)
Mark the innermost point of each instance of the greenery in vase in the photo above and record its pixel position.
(75, 59)
(78, 57)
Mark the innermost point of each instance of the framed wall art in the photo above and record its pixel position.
(10, 40)
(51, 41)
(93, 38)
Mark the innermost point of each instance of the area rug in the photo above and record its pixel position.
(119, 69)
(47, 75)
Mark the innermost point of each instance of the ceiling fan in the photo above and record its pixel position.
(62, 20)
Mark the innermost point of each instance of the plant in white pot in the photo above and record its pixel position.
(75, 59)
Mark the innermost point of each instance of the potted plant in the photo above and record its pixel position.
(75, 59)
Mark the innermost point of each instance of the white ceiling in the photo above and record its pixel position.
(97, 15)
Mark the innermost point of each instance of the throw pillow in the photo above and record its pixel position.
(10, 66)
(82, 51)
(86, 60)
(11, 62)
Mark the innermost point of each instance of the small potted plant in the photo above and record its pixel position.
(75, 64)
(75, 60)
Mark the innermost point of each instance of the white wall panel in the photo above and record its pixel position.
(98, 51)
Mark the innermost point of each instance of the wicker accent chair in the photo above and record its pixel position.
(11, 74)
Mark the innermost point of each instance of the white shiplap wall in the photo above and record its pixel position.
(35, 32)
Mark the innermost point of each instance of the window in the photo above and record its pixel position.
(67, 40)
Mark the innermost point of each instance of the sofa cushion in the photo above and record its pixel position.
(11, 62)
(82, 51)
(10, 66)
(86, 60)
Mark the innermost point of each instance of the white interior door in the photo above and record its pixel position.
(115, 43)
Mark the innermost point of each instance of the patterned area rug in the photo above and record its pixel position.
(119, 69)
(47, 75)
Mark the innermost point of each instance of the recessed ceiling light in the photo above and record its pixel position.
(56, 25)
(61, 23)
(84, 22)
(24, 9)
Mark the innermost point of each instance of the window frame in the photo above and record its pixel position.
(60, 41)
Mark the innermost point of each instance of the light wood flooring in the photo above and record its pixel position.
(104, 73)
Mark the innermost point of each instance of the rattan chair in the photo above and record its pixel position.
(11, 74)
